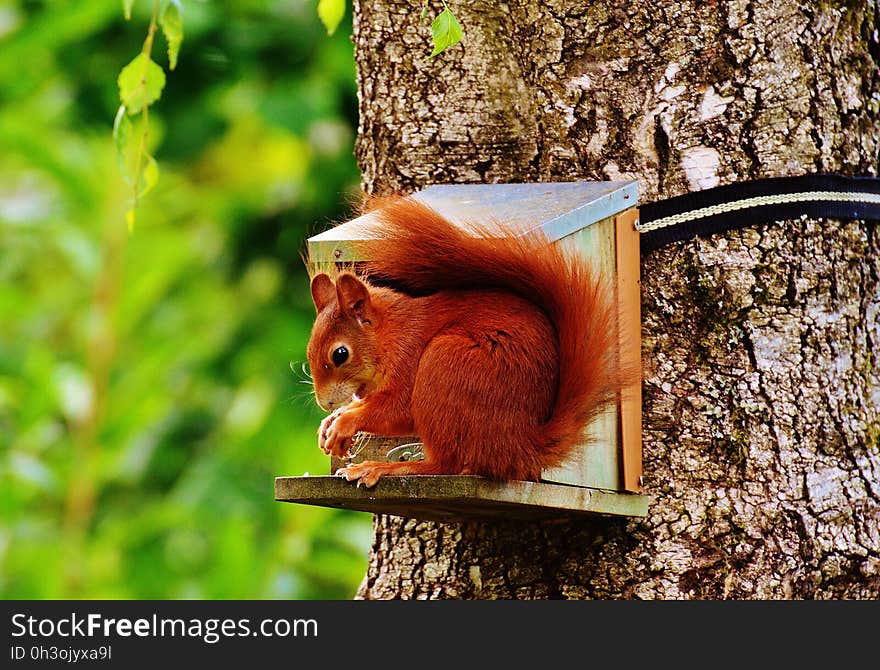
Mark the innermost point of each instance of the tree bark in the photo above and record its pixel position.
(760, 346)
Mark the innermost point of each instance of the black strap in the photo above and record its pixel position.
(754, 202)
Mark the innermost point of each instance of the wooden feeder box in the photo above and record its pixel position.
(594, 219)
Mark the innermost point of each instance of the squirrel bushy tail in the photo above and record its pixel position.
(421, 252)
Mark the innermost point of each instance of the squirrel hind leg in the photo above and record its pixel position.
(478, 405)
(368, 473)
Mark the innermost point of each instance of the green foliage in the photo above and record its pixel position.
(122, 131)
(445, 28)
(446, 31)
(140, 83)
(126, 8)
(171, 22)
(146, 399)
(331, 12)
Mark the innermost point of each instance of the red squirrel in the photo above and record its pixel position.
(495, 350)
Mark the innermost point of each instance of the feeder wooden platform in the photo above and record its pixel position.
(461, 497)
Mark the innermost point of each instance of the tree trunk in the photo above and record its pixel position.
(760, 346)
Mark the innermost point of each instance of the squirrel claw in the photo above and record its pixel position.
(366, 474)
(346, 473)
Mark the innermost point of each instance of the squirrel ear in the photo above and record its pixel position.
(323, 291)
(354, 297)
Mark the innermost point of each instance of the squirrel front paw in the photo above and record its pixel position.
(324, 428)
(335, 438)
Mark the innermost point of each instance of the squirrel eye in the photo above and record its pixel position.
(339, 356)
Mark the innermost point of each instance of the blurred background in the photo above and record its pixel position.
(149, 382)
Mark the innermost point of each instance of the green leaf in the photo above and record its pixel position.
(172, 27)
(149, 176)
(121, 133)
(424, 10)
(331, 12)
(140, 83)
(126, 8)
(446, 30)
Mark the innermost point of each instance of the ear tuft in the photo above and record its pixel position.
(323, 291)
(354, 297)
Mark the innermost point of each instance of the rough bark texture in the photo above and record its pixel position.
(762, 384)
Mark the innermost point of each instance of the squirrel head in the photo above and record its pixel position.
(342, 349)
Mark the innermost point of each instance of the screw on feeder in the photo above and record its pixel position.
(337, 253)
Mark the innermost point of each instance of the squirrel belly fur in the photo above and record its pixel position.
(496, 350)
